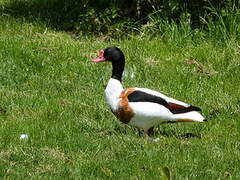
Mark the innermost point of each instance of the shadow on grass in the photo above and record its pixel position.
(170, 133)
(62, 15)
(179, 136)
(57, 14)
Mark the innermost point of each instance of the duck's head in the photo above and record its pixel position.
(114, 55)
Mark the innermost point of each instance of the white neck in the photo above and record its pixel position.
(113, 92)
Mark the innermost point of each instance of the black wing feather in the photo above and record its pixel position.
(140, 96)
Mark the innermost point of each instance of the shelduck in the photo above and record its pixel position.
(141, 107)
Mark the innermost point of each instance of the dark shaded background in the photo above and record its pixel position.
(100, 16)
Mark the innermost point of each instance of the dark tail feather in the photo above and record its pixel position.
(194, 108)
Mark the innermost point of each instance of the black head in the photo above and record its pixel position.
(114, 55)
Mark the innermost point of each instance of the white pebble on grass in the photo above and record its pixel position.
(24, 137)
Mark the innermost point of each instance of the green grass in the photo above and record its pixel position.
(50, 91)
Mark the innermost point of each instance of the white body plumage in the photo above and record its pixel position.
(148, 114)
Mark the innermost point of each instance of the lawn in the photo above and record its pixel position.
(51, 91)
